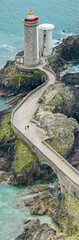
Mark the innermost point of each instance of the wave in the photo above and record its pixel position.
(9, 48)
(56, 42)
(65, 34)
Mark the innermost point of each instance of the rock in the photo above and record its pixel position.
(71, 79)
(60, 129)
(66, 101)
(37, 231)
(25, 221)
(73, 156)
(60, 236)
(39, 188)
(4, 176)
(65, 52)
(14, 81)
(38, 208)
(38, 205)
(70, 48)
(56, 185)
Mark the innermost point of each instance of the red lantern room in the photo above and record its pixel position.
(31, 17)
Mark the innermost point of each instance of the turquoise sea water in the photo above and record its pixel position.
(64, 14)
(11, 215)
(73, 67)
(4, 103)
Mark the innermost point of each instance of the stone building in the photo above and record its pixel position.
(37, 42)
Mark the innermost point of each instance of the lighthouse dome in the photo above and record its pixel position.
(30, 15)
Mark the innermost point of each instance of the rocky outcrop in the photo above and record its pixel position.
(65, 52)
(35, 230)
(66, 101)
(14, 81)
(39, 205)
(31, 173)
(59, 209)
(70, 48)
(60, 129)
(71, 79)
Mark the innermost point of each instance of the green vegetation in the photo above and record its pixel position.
(56, 101)
(36, 71)
(6, 131)
(60, 145)
(42, 100)
(70, 221)
(64, 94)
(15, 78)
(23, 157)
(36, 112)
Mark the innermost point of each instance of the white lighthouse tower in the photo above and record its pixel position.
(37, 42)
(31, 42)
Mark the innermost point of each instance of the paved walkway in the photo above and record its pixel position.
(23, 117)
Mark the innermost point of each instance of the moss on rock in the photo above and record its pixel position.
(23, 156)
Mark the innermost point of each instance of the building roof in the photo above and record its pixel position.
(46, 26)
(30, 13)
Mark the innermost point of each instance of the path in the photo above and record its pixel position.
(23, 117)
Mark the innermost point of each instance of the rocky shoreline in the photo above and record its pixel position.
(58, 208)
(60, 101)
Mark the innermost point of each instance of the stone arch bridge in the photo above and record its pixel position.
(34, 137)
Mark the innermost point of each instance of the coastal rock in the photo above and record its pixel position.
(25, 221)
(66, 101)
(71, 79)
(30, 174)
(65, 52)
(60, 129)
(39, 188)
(70, 48)
(35, 230)
(4, 176)
(13, 81)
(73, 156)
(39, 205)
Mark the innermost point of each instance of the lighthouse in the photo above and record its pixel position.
(37, 42)
(31, 42)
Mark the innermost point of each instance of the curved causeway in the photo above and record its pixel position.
(34, 136)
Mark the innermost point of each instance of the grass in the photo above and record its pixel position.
(71, 222)
(23, 157)
(56, 101)
(36, 112)
(37, 71)
(15, 78)
(61, 145)
(6, 131)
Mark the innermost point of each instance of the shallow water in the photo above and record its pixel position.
(11, 216)
(77, 168)
(72, 68)
(3, 101)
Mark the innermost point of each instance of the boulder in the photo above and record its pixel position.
(60, 129)
(38, 205)
(35, 230)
